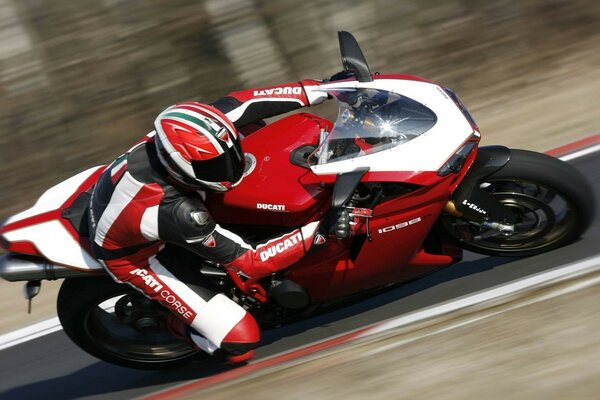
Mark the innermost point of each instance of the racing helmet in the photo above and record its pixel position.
(199, 147)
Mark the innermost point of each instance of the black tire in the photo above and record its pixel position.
(131, 334)
(553, 201)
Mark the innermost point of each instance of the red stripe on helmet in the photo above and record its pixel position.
(191, 143)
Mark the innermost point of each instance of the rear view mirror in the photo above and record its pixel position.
(344, 187)
(353, 59)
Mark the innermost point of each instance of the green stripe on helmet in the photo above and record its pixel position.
(191, 119)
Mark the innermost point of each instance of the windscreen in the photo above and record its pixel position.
(369, 121)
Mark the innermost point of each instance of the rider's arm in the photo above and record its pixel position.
(187, 223)
(251, 105)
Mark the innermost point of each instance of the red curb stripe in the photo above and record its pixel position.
(184, 389)
(572, 147)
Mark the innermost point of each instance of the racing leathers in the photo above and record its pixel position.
(137, 209)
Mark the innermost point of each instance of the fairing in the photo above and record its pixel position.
(370, 121)
(435, 130)
(277, 189)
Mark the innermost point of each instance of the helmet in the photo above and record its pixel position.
(199, 147)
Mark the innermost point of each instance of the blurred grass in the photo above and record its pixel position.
(81, 81)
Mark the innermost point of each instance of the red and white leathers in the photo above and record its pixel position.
(137, 211)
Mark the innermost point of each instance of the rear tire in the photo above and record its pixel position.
(553, 201)
(119, 325)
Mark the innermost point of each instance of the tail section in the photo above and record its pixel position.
(46, 230)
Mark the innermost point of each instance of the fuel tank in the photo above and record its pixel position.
(279, 187)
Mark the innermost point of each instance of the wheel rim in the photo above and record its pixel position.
(133, 328)
(544, 218)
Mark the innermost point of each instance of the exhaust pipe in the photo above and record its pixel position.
(19, 267)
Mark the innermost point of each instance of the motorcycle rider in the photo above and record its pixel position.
(151, 196)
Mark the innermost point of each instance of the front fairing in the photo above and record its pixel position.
(388, 125)
(370, 121)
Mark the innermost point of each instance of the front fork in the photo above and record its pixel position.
(494, 228)
(477, 206)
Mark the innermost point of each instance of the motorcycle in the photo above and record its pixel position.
(402, 160)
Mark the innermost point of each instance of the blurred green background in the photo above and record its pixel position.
(81, 80)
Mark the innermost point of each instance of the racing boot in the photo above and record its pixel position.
(237, 346)
(182, 331)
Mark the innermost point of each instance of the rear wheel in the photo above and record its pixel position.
(552, 201)
(117, 324)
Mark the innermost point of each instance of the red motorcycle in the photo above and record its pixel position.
(402, 159)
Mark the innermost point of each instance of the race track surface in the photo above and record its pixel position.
(54, 368)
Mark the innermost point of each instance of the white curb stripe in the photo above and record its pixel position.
(557, 274)
(53, 325)
(43, 328)
(29, 333)
(581, 153)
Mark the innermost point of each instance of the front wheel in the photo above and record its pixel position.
(117, 324)
(553, 203)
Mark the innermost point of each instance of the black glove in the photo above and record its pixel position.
(341, 227)
(336, 223)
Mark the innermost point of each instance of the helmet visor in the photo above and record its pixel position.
(226, 167)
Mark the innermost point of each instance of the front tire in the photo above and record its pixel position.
(118, 324)
(552, 200)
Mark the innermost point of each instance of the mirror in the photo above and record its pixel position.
(353, 59)
(344, 187)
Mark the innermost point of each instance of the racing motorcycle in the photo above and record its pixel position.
(402, 160)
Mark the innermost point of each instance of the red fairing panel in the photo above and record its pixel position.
(386, 259)
(398, 228)
(274, 192)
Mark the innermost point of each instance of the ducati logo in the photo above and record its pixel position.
(148, 279)
(319, 239)
(270, 207)
(281, 246)
(172, 301)
(210, 241)
(280, 90)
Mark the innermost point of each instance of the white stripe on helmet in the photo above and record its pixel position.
(216, 116)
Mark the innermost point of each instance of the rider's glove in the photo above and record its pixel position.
(337, 223)
(341, 227)
(347, 222)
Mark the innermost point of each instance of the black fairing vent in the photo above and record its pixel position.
(380, 192)
(78, 213)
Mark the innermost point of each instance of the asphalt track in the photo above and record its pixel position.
(52, 367)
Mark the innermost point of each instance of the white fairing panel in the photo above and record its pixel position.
(53, 240)
(427, 152)
(55, 197)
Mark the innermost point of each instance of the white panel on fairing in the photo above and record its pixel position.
(54, 197)
(53, 240)
(429, 151)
